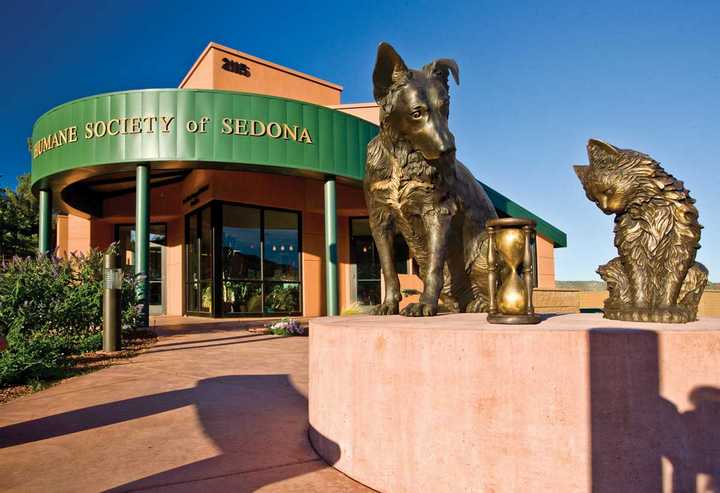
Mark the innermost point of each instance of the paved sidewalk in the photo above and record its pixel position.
(211, 407)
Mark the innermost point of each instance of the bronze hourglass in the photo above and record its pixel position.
(510, 271)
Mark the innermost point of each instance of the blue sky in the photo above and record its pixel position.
(537, 80)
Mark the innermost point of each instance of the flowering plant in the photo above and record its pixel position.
(287, 327)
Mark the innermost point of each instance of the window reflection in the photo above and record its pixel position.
(282, 258)
(126, 237)
(241, 242)
(366, 263)
(260, 260)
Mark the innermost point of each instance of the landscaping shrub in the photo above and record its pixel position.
(287, 327)
(51, 308)
(32, 360)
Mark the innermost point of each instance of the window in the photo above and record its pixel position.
(260, 261)
(241, 260)
(365, 266)
(125, 236)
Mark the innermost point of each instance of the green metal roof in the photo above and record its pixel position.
(513, 209)
(338, 148)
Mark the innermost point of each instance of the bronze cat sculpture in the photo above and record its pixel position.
(655, 278)
(414, 186)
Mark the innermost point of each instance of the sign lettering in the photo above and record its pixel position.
(164, 124)
(235, 67)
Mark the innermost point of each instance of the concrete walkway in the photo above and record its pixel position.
(211, 407)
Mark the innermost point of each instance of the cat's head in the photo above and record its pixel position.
(614, 176)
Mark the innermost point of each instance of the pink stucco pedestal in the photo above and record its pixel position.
(574, 404)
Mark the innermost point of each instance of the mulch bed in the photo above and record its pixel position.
(86, 363)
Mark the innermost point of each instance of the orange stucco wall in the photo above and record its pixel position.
(304, 195)
(61, 238)
(265, 78)
(545, 263)
(367, 111)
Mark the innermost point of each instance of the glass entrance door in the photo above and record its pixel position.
(125, 236)
(260, 261)
(199, 261)
(242, 260)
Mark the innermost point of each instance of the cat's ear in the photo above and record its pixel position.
(389, 68)
(599, 149)
(441, 69)
(581, 172)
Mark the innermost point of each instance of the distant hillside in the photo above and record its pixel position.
(581, 285)
(600, 285)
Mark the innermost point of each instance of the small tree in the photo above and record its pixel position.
(18, 220)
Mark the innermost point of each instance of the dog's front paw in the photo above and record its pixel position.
(419, 310)
(387, 308)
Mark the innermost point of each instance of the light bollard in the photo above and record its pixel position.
(510, 271)
(112, 274)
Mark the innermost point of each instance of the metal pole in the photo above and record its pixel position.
(142, 239)
(45, 226)
(331, 275)
(111, 303)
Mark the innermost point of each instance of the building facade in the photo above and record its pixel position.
(237, 194)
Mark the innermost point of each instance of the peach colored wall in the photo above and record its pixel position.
(367, 111)
(313, 267)
(79, 234)
(344, 278)
(300, 194)
(62, 235)
(265, 78)
(574, 404)
(545, 263)
(84, 234)
(174, 267)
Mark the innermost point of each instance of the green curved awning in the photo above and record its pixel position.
(165, 125)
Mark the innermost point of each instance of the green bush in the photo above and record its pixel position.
(51, 308)
(31, 360)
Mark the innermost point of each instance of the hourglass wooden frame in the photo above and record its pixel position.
(510, 301)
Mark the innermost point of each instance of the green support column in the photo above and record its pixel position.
(142, 238)
(45, 229)
(331, 274)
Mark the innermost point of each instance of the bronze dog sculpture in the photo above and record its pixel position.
(655, 278)
(414, 186)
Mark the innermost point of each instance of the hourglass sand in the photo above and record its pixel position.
(510, 290)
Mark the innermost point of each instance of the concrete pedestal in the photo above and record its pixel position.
(574, 404)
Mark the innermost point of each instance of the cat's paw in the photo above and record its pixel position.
(673, 314)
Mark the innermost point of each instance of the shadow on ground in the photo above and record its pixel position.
(264, 414)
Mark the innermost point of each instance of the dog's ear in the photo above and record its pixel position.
(441, 69)
(389, 68)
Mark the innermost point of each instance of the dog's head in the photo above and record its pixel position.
(415, 104)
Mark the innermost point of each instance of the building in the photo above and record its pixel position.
(239, 193)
